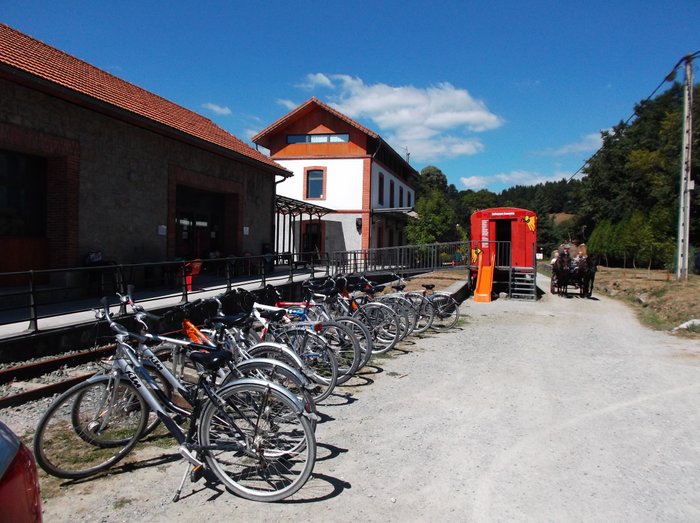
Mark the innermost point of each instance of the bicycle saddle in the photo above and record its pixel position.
(231, 320)
(429, 286)
(316, 286)
(373, 289)
(212, 360)
(273, 315)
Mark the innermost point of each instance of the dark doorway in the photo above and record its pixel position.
(199, 218)
(23, 212)
(312, 238)
(503, 245)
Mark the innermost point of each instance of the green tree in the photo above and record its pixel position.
(637, 238)
(662, 225)
(548, 235)
(472, 201)
(638, 168)
(601, 240)
(435, 222)
(431, 179)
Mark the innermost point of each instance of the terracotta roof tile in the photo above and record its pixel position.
(27, 54)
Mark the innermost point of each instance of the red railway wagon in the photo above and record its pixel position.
(506, 238)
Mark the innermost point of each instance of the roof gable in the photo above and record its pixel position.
(25, 54)
(380, 150)
(310, 105)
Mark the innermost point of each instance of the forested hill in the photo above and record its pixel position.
(624, 202)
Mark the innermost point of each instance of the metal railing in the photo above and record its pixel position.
(30, 296)
(405, 259)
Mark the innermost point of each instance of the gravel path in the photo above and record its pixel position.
(560, 410)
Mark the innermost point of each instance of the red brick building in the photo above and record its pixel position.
(91, 162)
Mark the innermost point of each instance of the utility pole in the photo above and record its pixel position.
(687, 184)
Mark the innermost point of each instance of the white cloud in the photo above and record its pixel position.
(475, 182)
(431, 150)
(316, 80)
(511, 179)
(288, 104)
(434, 123)
(587, 144)
(217, 109)
(526, 178)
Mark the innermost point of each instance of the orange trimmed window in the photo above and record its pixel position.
(315, 183)
(391, 193)
(400, 196)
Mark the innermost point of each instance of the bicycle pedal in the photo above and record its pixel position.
(189, 457)
(197, 473)
(312, 416)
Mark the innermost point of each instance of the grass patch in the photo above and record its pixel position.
(120, 503)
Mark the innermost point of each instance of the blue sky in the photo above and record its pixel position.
(495, 94)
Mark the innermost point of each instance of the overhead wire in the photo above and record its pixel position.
(670, 77)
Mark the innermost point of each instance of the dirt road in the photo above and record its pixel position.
(560, 410)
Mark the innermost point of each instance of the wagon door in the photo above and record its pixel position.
(503, 238)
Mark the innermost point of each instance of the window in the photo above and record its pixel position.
(380, 191)
(318, 138)
(391, 193)
(409, 198)
(400, 196)
(315, 183)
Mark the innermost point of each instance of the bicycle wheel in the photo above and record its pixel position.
(258, 444)
(280, 373)
(404, 309)
(321, 365)
(345, 345)
(90, 427)
(446, 312)
(383, 323)
(426, 311)
(277, 351)
(363, 335)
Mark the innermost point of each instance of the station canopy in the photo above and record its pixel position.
(292, 207)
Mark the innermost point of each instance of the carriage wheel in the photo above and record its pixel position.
(553, 285)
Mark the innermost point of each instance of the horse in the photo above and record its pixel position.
(561, 273)
(588, 266)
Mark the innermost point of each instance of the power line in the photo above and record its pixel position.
(670, 77)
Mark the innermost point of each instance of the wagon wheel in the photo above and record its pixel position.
(553, 284)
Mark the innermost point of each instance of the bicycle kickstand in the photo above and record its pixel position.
(176, 498)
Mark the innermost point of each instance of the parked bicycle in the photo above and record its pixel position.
(253, 435)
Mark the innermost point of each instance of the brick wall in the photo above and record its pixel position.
(110, 183)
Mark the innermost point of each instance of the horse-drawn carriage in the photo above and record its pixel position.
(575, 270)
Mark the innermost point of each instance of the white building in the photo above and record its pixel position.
(343, 167)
